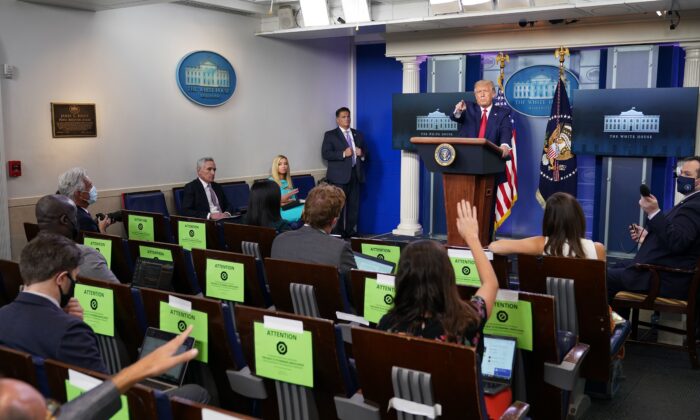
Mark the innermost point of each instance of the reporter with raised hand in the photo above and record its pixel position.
(19, 400)
(468, 227)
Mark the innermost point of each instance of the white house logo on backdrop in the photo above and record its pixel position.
(206, 78)
(632, 121)
(435, 121)
(530, 90)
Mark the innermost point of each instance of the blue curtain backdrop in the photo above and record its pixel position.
(378, 78)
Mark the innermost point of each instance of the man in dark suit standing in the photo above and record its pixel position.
(483, 119)
(671, 239)
(344, 149)
(40, 321)
(203, 198)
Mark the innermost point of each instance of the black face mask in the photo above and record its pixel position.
(71, 291)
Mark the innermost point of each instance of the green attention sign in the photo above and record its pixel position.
(176, 320)
(462, 261)
(512, 319)
(283, 355)
(141, 228)
(192, 234)
(153, 253)
(73, 392)
(98, 307)
(225, 280)
(379, 299)
(103, 246)
(389, 253)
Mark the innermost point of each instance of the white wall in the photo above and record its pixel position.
(125, 60)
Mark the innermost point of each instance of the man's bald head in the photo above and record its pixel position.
(19, 401)
(57, 214)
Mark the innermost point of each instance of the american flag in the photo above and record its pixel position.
(507, 192)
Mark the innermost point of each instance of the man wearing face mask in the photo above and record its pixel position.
(57, 214)
(671, 239)
(76, 185)
(38, 320)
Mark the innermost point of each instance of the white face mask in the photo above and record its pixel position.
(93, 195)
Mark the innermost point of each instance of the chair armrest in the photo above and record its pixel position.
(243, 382)
(666, 268)
(564, 374)
(355, 408)
(517, 410)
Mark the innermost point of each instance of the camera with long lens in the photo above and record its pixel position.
(115, 216)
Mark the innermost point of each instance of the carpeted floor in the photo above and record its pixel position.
(659, 384)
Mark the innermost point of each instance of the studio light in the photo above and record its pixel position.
(315, 12)
(474, 5)
(441, 7)
(356, 11)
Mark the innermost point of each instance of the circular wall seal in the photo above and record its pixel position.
(445, 154)
(206, 78)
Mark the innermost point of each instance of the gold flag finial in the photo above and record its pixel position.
(561, 54)
(501, 59)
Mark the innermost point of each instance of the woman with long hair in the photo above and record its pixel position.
(264, 207)
(427, 302)
(282, 175)
(563, 233)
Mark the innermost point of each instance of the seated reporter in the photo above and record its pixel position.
(427, 302)
(264, 207)
(563, 233)
(76, 185)
(203, 198)
(282, 175)
(313, 242)
(45, 319)
(19, 400)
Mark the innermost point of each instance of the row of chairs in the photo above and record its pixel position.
(49, 377)
(237, 193)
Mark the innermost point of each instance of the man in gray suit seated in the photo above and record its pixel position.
(313, 242)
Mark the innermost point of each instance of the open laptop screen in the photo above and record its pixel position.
(375, 265)
(499, 355)
(155, 338)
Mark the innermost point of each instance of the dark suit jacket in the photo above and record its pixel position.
(86, 222)
(195, 203)
(673, 240)
(339, 168)
(499, 129)
(310, 245)
(35, 325)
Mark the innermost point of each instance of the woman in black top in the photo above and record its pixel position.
(264, 207)
(427, 303)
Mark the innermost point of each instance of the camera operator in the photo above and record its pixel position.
(76, 185)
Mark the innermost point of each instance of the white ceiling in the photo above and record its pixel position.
(410, 15)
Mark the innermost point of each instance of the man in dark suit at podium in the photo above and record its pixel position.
(671, 239)
(483, 119)
(203, 198)
(344, 149)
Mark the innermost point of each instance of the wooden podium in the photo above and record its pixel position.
(468, 168)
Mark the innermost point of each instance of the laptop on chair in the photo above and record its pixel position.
(172, 378)
(497, 363)
(375, 265)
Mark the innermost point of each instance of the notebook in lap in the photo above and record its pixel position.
(497, 363)
(375, 265)
(172, 378)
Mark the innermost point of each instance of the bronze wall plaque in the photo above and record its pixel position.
(73, 120)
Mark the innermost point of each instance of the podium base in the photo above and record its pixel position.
(408, 230)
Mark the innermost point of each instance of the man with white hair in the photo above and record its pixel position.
(203, 198)
(76, 185)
